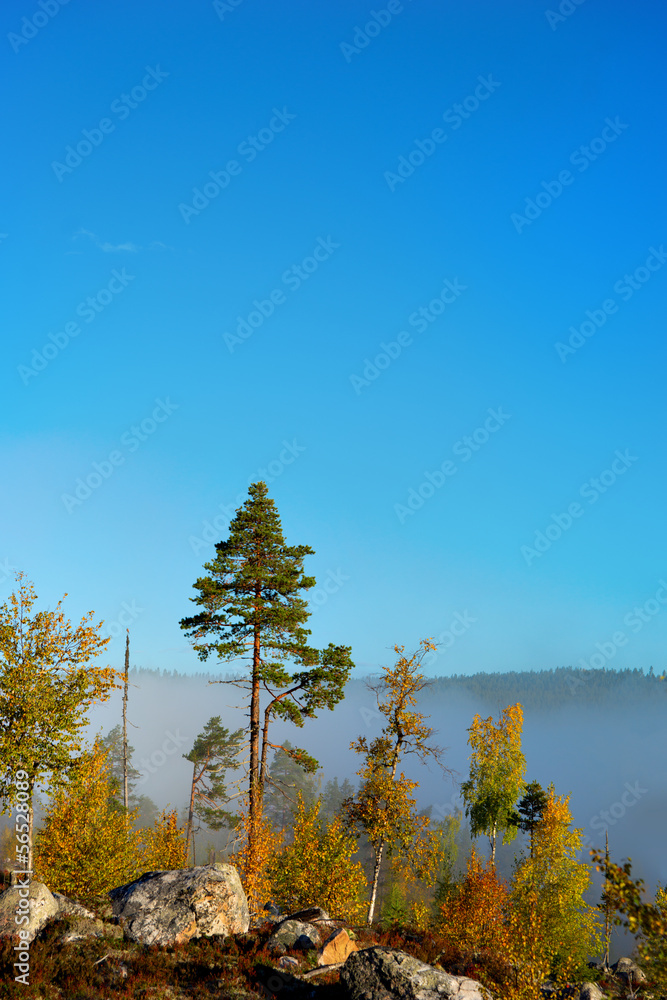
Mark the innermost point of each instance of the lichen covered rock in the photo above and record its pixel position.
(384, 974)
(294, 934)
(26, 908)
(171, 907)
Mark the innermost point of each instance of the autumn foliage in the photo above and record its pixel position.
(258, 843)
(86, 847)
(552, 884)
(384, 808)
(47, 686)
(497, 772)
(164, 846)
(647, 920)
(473, 917)
(512, 936)
(317, 869)
(540, 924)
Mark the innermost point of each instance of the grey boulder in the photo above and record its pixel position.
(26, 908)
(68, 908)
(81, 928)
(171, 907)
(294, 934)
(628, 970)
(590, 991)
(383, 974)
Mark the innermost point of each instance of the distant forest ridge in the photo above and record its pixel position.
(541, 689)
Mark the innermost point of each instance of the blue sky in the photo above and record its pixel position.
(415, 205)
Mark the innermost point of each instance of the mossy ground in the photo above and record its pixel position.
(238, 968)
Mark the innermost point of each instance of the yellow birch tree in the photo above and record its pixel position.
(384, 808)
(46, 689)
(317, 869)
(164, 844)
(551, 885)
(497, 773)
(87, 847)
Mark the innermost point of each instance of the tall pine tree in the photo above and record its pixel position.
(252, 609)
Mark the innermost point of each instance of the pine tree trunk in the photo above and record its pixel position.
(376, 878)
(255, 791)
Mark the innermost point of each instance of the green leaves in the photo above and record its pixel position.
(647, 920)
(497, 769)
(46, 688)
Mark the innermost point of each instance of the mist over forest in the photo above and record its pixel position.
(597, 735)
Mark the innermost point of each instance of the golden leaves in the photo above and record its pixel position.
(473, 915)
(46, 686)
(86, 847)
(316, 869)
(551, 885)
(164, 844)
(259, 843)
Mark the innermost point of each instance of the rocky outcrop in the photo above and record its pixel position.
(312, 915)
(81, 929)
(171, 907)
(26, 908)
(383, 974)
(628, 971)
(294, 934)
(68, 908)
(590, 991)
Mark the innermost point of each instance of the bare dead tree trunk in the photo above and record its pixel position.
(127, 670)
(189, 831)
(607, 906)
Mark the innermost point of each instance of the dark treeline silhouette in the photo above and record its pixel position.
(535, 689)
